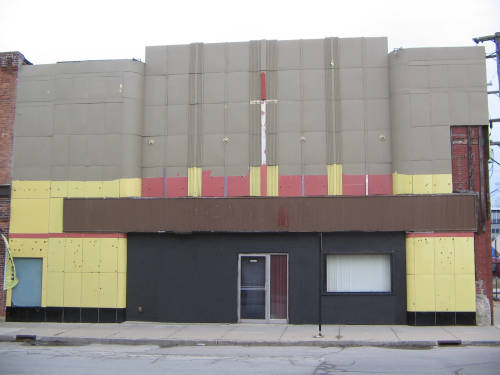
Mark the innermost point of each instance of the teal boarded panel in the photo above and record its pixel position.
(28, 292)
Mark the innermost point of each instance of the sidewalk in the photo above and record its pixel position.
(172, 334)
(164, 334)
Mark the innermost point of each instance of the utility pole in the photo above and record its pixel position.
(495, 39)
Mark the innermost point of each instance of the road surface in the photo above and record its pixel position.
(18, 358)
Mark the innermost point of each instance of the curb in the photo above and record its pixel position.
(76, 341)
(53, 340)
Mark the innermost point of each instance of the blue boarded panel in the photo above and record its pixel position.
(28, 292)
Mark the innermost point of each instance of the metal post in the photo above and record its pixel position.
(320, 285)
(497, 42)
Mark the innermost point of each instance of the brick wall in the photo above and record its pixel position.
(10, 63)
(470, 173)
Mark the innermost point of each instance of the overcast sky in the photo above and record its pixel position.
(47, 31)
(54, 30)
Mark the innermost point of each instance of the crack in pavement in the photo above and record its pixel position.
(395, 334)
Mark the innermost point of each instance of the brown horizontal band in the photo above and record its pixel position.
(419, 213)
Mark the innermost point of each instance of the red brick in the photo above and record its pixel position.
(9, 65)
(462, 159)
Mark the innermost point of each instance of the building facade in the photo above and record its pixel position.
(288, 181)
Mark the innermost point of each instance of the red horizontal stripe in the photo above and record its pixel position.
(438, 234)
(67, 235)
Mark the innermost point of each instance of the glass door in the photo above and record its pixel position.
(253, 287)
(263, 287)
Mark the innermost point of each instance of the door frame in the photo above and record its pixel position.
(268, 318)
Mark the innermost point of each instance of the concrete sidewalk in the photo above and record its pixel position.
(165, 334)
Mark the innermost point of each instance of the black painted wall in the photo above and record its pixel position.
(359, 308)
(193, 277)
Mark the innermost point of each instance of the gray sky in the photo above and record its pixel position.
(47, 31)
(56, 30)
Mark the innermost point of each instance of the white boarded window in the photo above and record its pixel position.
(358, 273)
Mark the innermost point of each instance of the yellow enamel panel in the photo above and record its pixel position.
(109, 255)
(30, 189)
(410, 256)
(55, 215)
(194, 182)
(111, 189)
(90, 254)
(76, 189)
(411, 302)
(334, 179)
(8, 301)
(93, 189)
(422, 184)
(424, 293)
(402, 183)
(464, 255)
(272, 181)
(444, 255)
(15, 245)
(73, 256)
(442, 184)
(447, 283)
(424, 256)
(55, 289)
(130, 187)
(465, 294)
(59, 189)
(72, 289)
(29, 247)
(122, 255)
(29, 216)
(121, 301)
(55, 254)
(108, 284)
(90, 289)
(255, 182)
(445, 292)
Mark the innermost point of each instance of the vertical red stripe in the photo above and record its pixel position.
(263, 180)
(263, 86)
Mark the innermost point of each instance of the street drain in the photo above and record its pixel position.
(449, 342)
(26, 338)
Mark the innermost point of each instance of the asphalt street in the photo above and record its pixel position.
(22, 358)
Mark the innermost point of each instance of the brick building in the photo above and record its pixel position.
(270, 180)
(10, 62)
